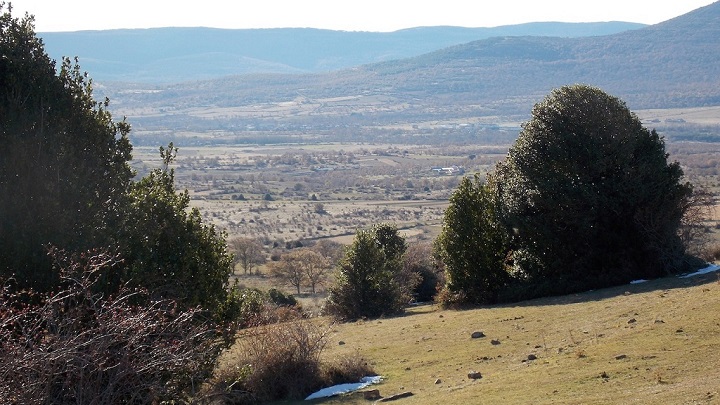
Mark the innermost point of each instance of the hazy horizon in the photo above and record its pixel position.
(368, 15)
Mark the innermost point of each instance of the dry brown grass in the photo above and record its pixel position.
(647, 343)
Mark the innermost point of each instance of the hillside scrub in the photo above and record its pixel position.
(126, 306)
(75, 345)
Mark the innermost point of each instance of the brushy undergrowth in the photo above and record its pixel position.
(283, 361)
(78, 346)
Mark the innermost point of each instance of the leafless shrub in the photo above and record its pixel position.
(78, 346)
(283, 361)
(698, 209)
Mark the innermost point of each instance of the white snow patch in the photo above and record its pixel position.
(709, 269)
(344, 388)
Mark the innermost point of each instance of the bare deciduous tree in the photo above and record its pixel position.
(248, 253)
(289, 269)
(698, 209)
(301, 267)
(315, 266)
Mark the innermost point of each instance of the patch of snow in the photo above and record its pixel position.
(709, 269)
(638, 281)
(344, 388)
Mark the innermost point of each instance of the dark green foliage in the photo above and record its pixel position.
(279, 298)
(166, 246)
(367, 281)
(63, 163)
(472, 246)
(247, 307)
(590, 195)
(65, 181)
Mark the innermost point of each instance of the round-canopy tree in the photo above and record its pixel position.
(589, 195)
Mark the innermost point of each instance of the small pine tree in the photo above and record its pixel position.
(367, 281)
(472, 246)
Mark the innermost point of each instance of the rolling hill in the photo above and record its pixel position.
(161, 55)
(674, 64)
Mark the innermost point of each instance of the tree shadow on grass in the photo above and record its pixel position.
(661, 284)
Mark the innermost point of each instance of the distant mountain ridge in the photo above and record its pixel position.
(163, 55)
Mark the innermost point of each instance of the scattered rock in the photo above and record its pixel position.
(438, 381)
(659, 321)
(341, 343)
(604, 375)
(621, 356)
(532, 357)
(397, 396)
(632, 320)
(495, 342)
(679, 330)
(477, 335)
(474, 375)
(441, 316)
(372, 395)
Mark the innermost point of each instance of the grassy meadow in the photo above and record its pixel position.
(649, 343)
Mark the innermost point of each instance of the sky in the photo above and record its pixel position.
(347, 15)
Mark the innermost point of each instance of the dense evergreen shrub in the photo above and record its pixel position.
(472, 246)
(368, 282)
(589, 196)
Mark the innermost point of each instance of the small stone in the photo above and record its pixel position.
(621, 356)
(341, 343)
(604, 375)
(438, 381)
(474, 375)
(532, 357)
(632, 320)
(477, 335)
(659, 321)
(397, 396)
(372, 395)
(679, 330)
(495, 342)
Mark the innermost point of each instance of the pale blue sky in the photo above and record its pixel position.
(350, 15)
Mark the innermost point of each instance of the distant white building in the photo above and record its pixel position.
(449, 171)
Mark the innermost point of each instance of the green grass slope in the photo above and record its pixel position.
(650, 343)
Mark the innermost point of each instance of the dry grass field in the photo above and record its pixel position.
(650, 343)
